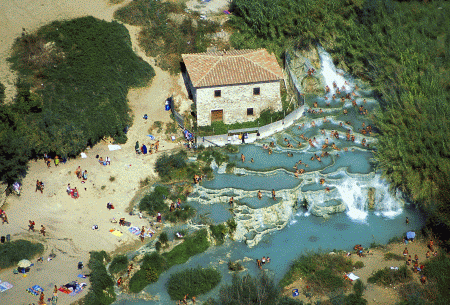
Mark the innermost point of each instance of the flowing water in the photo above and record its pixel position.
(288, 226)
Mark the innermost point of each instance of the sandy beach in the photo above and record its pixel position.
(69, 221)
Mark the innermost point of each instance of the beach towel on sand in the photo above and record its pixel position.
(35, 290)
(352, 277)
(116, 233)
(5, 286)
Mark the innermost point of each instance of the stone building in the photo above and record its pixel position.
(233, 86)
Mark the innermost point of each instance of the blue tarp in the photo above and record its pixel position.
(410, 235)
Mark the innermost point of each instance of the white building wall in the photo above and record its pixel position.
(234, 100)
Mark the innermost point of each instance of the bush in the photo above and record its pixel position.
(163, 238)
(230, 167)
(320, 270)
(391, 256)
(388, 276)
(194, 282)
(358, 265)
(192, 245)
(152, 266)
(153, 202)
(158, 246)
(83, 66)
(218, 232)
(12, 252)
(168, 166)
(235, 266)
(138, 281)
(261, 290)
(232, 225)
(436, 269)
(164, 38)
(101, 291)
(118, 264)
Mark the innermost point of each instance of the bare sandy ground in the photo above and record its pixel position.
(69, 221)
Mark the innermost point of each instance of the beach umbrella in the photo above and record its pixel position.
(24, 263)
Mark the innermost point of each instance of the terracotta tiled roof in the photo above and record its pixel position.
(232, 67)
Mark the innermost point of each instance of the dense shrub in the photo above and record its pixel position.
(163, 238)
(247, 290)
(118, 264)
(151, 267)
(154, 264)
(192, 282)
(153, 202)
(392, 256)
(192, 245)
(358, 265)
(101, 291)
(437, 271)
(218, 231)
(165, 38)
(182, 214)
(171, 166)
(321, 270)
(388, 276)
(74, 77)
(12, 252)
(232, 225)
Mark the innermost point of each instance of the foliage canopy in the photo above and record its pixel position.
(72, 90)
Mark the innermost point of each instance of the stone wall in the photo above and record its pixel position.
(235, 100)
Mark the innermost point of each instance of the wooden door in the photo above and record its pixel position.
(216, 115)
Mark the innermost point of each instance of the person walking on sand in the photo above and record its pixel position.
(130, 267)
(42, 231)
(69, 190)
(156, 146)
(4, 218)
(142, 235)
(41, 298)
(31, 225)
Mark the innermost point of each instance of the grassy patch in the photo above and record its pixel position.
(389, 277)
(218, 232)
(251, 291)
(118, 264)
(321, 270)
(82, 66)
(232, 225)
(154, 264)
(358, 265)
(154, 202)
(102, 285)
(218, 127)
(393, 257)
(192, 282)
(167, 30)
(192, 245)
(12, 252)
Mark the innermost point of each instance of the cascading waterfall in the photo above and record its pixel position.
(330, 74)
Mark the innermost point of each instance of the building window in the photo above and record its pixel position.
(256, 91)
(217, 93)
(249, 111)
